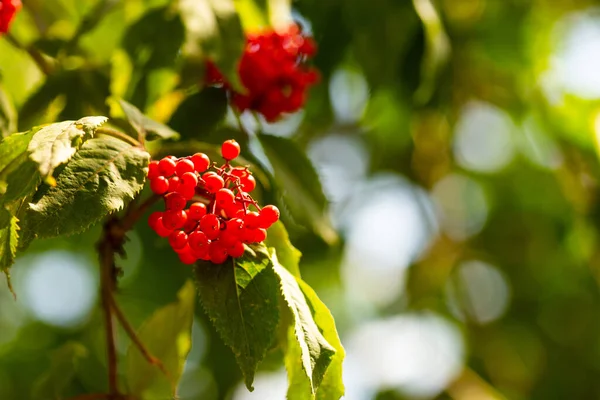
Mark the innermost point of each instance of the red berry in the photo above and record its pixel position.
(189, 179)
(210, 225)
(153, 171)
(8, 10)
(175, 201)
(166, 166)
(213, 182)
(173, 183)
(187, 257)
(224, 197)
(178, 239)
(161, 229)
(201, 162)
(159, 185)
(235, 226)
(228, 238)
(187, 192)
(230, 149)
(251, 220)
(197, 210)
(248, 183)
(190, 225)
(248, 235)
(260, 235)
(268, 216)
(236, 250)
(174, 219)
(184, 166)
(153, 219)
(198, 240)
(217, 252)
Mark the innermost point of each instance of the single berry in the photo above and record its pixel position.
(159, 185)
(153, 171)
(213, 182)
(248, 235)
(174, 219)
(236, 250)
(198, 240)
(248, 183)
(268, 216)
(178, 239)
(260, 235)
(224, 197)
(230, 149)
(161, 229)
(235, 226)
(217, 252)
(187, 192)
(201, 162)
(197, 210)
(166, 166)
(228, 238)
(173, 183)
(175, 201)
(189, 179)
(187, 257)
(184, 166)
(252, 220)
(210, 225)
(153, 219)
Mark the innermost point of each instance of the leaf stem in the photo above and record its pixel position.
(34, 53)
(119, 135)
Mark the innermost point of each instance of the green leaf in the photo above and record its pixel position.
(299, 183)
(55, 144)
(13, 153)
(102, 176)
(288, 255)
(332, 385)
(63, 367)
(208, 107)
(144, 126)
(217, 27)
(9, 239)
(315, 353)
(240, 298)
(167, 336)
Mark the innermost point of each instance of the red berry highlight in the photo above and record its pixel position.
(230, 149)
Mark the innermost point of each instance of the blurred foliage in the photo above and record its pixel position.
(419, 66)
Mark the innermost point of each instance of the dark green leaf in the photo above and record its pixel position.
(288, 255)
(315, 353)
(208, 107)
(55, 144)
(99, 180)
(144, 126)
(167, 336)
(64, 363)
(332, 386)
(299, 183)
(240, 298)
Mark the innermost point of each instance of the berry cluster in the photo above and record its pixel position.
(273, 71)
(8, 9)
(219, 218)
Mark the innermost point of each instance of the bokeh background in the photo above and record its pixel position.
(457, 142)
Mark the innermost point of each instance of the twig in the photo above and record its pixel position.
(107, 267)
(119, 135)
(34, 53)
(134, 214)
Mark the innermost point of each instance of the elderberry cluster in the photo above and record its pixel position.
(221, 216)
(273, 71)
(8, 10)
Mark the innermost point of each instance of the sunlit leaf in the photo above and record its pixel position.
(144, 126)
(287, 254)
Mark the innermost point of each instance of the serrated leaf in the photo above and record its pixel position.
(299, 183)
(287, 254)
(100, 178)
(208, 107)
(63, 366)
(55, 144)
(332, 385)
(241, 299)
(144, 126)
(217, 27)
(315, 353)
(167, 336)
